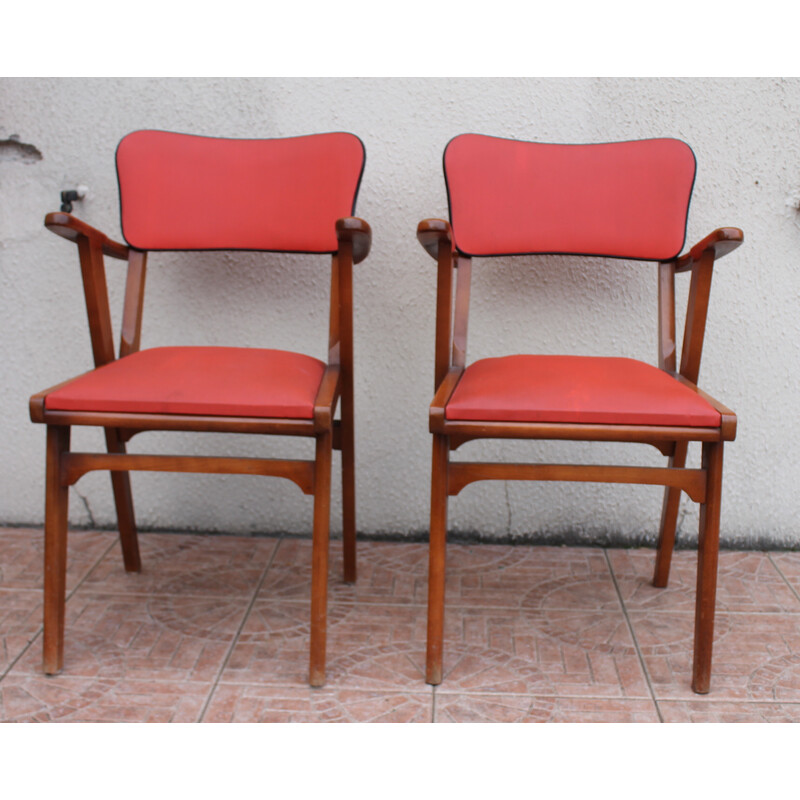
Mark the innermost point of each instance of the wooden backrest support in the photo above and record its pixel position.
(186, 192)
(622, 199)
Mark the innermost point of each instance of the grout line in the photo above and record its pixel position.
(633, 636)
(69, 595)
(785, 579)
(239, 631)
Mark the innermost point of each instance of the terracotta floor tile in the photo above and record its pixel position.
(709, 711)
(789, 566)
(249, 703)
(579, 652)
(519, 708)
(185, 564)
(144, 638)
(22, 556)
(388, 572)
(756, 656)
(531, 634)
(477, 575)
(746, 582)
(530, 577)
(273, 647)
(37, 698)
(20, 621)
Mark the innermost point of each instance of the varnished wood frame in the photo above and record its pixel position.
(65, 467)
(703, 485)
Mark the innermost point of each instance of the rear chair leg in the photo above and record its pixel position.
(437, 554)
(123, 500)
(55, 550)
(669, 520)
(319, 559)
(707, 557)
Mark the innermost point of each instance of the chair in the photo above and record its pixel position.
(183, 192)
(626, 200)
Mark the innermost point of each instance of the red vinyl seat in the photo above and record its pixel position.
(182, 192)
(213, 381)
(585, 389)
(624, 200)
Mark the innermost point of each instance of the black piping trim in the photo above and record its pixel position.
(233, 249)
(565, 252)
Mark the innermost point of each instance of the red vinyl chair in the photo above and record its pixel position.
(625, 200)
(183, 192)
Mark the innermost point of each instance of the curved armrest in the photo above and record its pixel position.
(358, 232)
(728, 418)
(442, 398)
(721, 241)
(71, 228)
(432, 231)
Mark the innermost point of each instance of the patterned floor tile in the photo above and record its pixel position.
(746, 582)
(476, 575)
(756, 656)
(187, 564)
(388, 572)
(579, 652)
(37, 698)
(255, 703)
(273, 647)
(22, 556)
(708, 711)
(144, 638)
(20, 621)
(531, 634)
(789, 566)
(519, 708)
(530, 577)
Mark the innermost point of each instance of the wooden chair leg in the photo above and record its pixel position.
(55, 550)
(437, 550)
(669, 521)
(707, 557)
(319, 559)
(123, 500)
(348, 488)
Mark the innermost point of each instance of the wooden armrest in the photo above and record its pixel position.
(721, 241)
(327, 395)
(728, 418)
(430, 232)
(442, 397)
(71, 228)
(355, 230)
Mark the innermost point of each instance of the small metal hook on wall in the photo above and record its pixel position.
(69, 196)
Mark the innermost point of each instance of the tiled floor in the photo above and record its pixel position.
(215, 629)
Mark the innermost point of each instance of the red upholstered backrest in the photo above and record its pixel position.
(623, 199)
(184, 192)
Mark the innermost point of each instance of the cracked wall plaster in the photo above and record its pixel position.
(12, 149)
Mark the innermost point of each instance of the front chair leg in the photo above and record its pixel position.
(707, 558)
(123, 500)
(55, 550)
(437, 555)
(319, 559)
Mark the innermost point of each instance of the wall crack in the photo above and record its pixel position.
(88, 508)
(12, 149)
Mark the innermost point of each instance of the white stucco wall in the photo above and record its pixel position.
(744, 134)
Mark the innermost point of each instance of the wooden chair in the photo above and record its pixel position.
(625, 200)
(182, 192)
